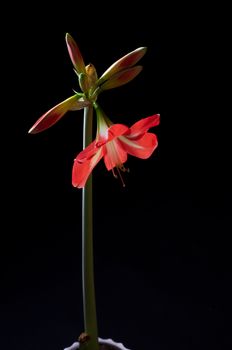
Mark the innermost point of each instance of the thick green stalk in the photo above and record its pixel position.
(90, 318)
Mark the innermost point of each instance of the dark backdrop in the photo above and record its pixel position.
(161, 244)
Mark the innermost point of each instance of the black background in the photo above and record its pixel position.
(162, 244)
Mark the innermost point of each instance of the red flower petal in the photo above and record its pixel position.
(107, 135)
(87, 153)
(141, 148)
(53, 115)
(116, 130)
(75, 54)
(140, 127)
(81, 171)
(115, 155)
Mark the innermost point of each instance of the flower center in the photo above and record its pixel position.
(116, 161)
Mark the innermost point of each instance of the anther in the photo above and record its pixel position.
(114, 174)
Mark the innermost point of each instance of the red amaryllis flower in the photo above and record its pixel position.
(113, 143)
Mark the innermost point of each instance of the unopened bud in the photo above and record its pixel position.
(125, 62)
(83, 82)
(92, 74)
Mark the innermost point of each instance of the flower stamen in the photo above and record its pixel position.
(120, 168)
(120, 176)
(114, 175)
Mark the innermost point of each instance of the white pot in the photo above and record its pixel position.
(105, 344)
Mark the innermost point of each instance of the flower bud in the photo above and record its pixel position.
(75, 54)
(125, 62)
(83, 82)
(121, 78)
(92, 75)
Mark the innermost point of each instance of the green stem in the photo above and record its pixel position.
(90, 317)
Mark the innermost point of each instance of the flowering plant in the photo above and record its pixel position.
(113, 143)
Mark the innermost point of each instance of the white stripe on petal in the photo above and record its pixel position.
(129, 142)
